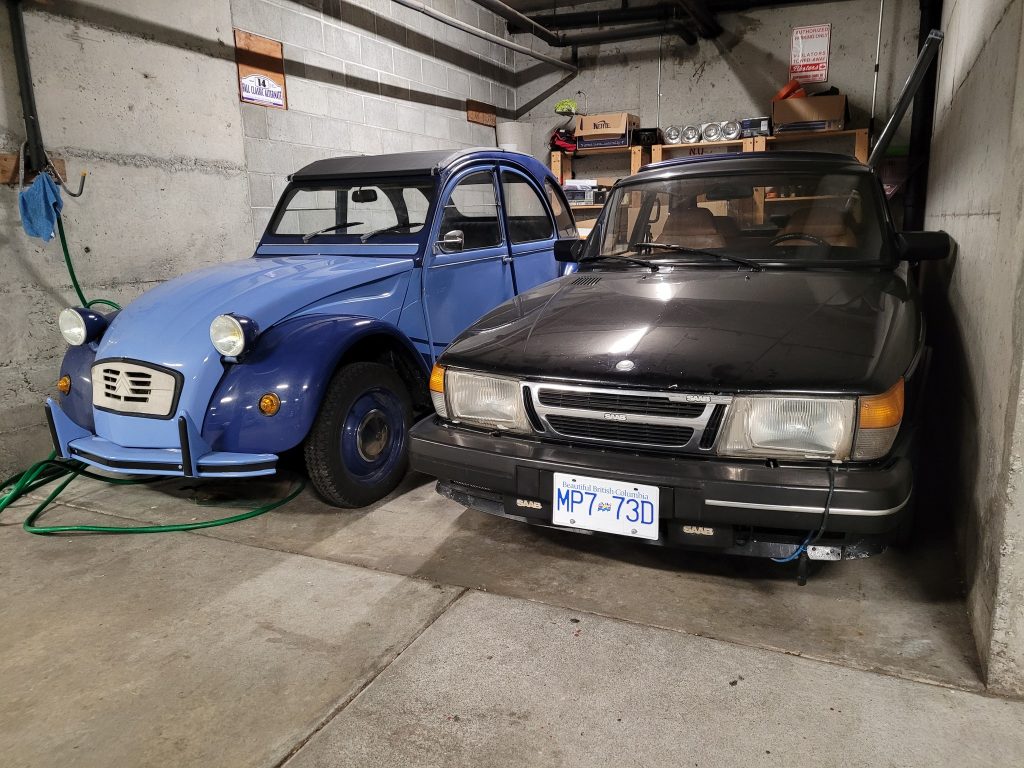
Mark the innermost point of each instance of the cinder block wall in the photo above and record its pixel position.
(734, 75)
(368, 77)
(976, 193)
(143, 95)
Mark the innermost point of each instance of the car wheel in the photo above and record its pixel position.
(358, 449)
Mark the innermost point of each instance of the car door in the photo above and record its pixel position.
(530, 228)
(468, 272)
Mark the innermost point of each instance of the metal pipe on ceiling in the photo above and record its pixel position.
(476, 32)
(630, 32)
(522, 22)
(580, 19)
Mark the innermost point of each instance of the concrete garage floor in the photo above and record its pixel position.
(419, 633)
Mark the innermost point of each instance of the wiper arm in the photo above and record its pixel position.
(344, 225)
(700, 252)
(392, 228)
(620, 257)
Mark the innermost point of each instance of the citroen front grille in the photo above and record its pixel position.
(134, 388)
(670, 421)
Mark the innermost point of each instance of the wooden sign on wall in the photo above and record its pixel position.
(260, 70)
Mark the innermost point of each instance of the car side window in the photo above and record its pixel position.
(527, 216)
(472, 208)
(563, 219)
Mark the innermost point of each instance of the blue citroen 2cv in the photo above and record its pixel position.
(323, 339)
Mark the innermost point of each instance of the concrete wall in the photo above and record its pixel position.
(367, 77)
(143, 95)
(733, 76)
(151, 124)
(976, 193)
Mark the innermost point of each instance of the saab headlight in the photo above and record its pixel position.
(789, 428)
(79, 325)
(495, 402)
(232, 334)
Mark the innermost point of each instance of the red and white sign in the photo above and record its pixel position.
(808, 55)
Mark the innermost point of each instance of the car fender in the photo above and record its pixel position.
(77, 403)
(294, 360)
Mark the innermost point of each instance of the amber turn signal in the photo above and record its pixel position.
(437, 379)
(64, 384)
(884, 410)
(270, 404)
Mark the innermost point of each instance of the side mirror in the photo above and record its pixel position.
(453, 241)
(924, 246)
(568, 250)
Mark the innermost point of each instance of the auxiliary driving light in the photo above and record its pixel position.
(270, 404)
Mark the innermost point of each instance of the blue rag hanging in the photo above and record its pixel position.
(40, 205)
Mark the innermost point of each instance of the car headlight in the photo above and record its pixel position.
(79, 325)
(789, 427)
(231, 334)
(495, 402)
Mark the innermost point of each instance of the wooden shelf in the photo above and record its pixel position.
(804, 199)
(561, 162)
(587, 205)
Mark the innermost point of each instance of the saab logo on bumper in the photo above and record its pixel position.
(528, 504)
(698, 530)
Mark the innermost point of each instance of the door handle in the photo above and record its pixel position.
(506, 259)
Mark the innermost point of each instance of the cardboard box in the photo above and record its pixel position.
(813, 113)
(610, 129)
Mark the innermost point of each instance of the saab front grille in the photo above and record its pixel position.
(707, 440)
(620, 403)
(622, 432)
(132, 388)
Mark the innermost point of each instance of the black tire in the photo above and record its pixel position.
(358, 449)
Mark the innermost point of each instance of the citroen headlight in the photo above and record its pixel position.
(495, 402)
(231, 334)
(79, 325)
(789, 427)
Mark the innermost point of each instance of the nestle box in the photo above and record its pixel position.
(813, 113)
(611, 129)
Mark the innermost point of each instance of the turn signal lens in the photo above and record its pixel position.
(437, 379)
(437, 391)
(884, 410)
(64, 384)
(270, 404)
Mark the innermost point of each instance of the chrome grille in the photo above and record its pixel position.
(673, 421)
(133, 388)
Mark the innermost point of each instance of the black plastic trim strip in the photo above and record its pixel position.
(186, 449)
(53, 430)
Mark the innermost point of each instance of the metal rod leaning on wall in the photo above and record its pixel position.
(470, 29)
(924, 59)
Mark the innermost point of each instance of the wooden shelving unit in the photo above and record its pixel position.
(561, 162)
(859, 137)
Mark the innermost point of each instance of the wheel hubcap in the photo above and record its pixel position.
(372, 435)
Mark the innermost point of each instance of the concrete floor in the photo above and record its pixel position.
(418, 633)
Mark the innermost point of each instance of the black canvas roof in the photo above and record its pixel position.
(396, 164)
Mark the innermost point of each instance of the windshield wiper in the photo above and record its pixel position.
(620, 257)
(392, 228)
(700, 252)
(344, 225)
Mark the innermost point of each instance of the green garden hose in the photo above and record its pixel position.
(51, 469)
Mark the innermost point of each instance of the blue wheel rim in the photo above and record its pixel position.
(373, 436)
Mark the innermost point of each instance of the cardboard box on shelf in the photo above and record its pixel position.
(608, 129)
(814, 113)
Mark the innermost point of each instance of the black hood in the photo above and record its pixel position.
(704, 329)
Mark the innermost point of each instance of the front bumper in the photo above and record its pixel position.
(752, 508)
(192, 457)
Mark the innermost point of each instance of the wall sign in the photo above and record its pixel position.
(260, 70)
(808, 55)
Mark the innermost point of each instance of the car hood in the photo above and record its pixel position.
(704, 330)
(170, 324)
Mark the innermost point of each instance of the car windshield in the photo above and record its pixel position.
(355, 210)
(768, 219)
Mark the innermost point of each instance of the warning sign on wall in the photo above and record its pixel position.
(808, 55)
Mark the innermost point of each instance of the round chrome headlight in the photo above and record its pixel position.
(230, 334)
(79, 325)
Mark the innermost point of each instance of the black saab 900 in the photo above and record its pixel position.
(738, 364)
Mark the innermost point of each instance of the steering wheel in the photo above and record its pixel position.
(800, 236)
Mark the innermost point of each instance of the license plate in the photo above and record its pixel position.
(609, 506)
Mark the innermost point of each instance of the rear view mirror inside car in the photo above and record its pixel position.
(364, 196)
